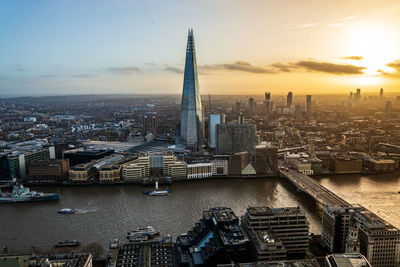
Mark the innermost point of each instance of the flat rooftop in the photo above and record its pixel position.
(273, 211)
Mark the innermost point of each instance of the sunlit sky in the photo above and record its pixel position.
(243, 47)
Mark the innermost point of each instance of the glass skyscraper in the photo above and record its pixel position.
(191, 109)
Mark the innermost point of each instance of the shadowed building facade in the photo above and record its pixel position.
(191, 108)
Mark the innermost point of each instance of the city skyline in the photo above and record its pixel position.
(135, 48)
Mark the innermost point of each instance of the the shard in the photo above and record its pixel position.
(191, 109)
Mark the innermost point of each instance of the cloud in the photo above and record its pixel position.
(237, 66)
(82, 76)
(394, 65)
(150, 64)
(282, 67)
(124, 70)
(303, 26)
(327, 67)
(170, 68)
(350, 17)
(18, 67)
(67, 75)
(354, 57)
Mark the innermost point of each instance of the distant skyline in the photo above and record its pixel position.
(243, 47)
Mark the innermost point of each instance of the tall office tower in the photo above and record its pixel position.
(381, 93)
(289, 99)
(357, 97)
(351, 96)
(215, 119)
(388, 108)
(232, 138)
(191, 109)
(241, 118)
(289, 224)
(238, 107)
(145, 124)
(379, 241)
(267, 102)
(335, 227)
(309, 109)
(252, 105)
(154, 124)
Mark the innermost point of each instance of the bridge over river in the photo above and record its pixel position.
(313, 188)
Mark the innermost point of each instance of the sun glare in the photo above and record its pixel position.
(377, 45)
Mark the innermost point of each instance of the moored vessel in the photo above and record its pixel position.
(68, 243)
(23, 194)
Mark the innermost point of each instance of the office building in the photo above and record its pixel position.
(388, 108)
(267, 102)
(191, 107)
(336, 223)
(49, 171)
(215, 119)
(238, 107)
(357, 96)
(232, 138)
(153, 253)
(252, 105)
(199, 170)
(178, 170)
(308, 106)
(238, 162)
(266, 160)
(289, 99)
(381, 93)
(267, 246)
(20, 159)
(219, 167)
(215, 239)
(379, 241)
(346, 260)
(289, 224)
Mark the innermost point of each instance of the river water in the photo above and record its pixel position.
(105, 212)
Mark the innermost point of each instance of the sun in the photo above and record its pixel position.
(377, 44)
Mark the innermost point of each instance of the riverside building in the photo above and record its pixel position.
(289, 224)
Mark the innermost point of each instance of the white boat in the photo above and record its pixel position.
(158, 192)
(66, 211)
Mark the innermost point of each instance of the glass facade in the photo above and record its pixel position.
(191, 109)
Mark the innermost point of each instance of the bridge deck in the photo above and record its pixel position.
(314, 188)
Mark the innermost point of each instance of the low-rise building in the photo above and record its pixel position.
(268, 246)
(50, 171)
(346, 260)
(219, 167)
(199, 170)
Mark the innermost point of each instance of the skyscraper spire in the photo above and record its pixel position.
(191, 108)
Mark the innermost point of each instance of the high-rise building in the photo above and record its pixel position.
(252, 105)
(215, 119)
(357, 96)
(232, 138)
(388, 108)
(238, 107)
(289, 99)
(335, 227)
(267, 102)
(191, 108)
(381, 93)
(309, 108)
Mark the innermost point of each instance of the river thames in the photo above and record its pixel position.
(105, 212)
